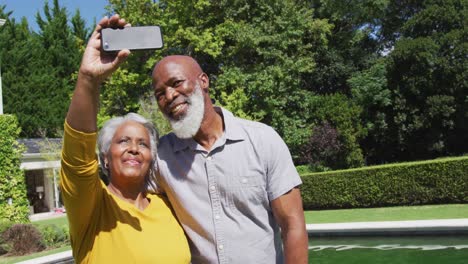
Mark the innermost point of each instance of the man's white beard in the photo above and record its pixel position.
(189, 125)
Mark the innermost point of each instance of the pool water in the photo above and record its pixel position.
(389, 250)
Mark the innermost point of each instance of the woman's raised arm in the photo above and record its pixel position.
(96, 66)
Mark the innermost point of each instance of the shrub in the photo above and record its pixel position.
(4, 225)
(323, 148)
(12, 183)
(54, 236)
(413, 183)
(303, 169)
(23, 239)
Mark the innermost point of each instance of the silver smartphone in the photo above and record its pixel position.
(132, 38)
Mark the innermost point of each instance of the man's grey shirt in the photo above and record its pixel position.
(222, 197)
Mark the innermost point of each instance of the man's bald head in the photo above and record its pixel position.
(186, 63)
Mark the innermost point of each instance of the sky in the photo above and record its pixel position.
(89, 9)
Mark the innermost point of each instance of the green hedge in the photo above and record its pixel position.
(12, 181)
(414, 183)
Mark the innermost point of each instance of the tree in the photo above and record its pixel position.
(38, 84)
(268, 54)
(427, 76)
(336, 112)
(369, 89)
(260, 56)
(352, 45)
(279, 62)
(19, 69)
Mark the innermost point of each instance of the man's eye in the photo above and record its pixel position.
(177, 83)
(159, 95)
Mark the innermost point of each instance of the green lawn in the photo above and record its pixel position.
(59, 221)
(400, 213)
(8, 260)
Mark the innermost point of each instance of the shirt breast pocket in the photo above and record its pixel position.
(246, 194)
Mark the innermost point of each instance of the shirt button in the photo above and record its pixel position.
(221, 247)
(217, 217)
(212, 187)
(244, 180)
(209, 158)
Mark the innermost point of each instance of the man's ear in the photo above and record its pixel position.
(204, 81)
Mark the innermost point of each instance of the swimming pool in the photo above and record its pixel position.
(389, 250)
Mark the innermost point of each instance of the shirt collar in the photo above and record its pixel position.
(232, 128)
(232, 132)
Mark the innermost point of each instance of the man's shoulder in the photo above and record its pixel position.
(254, 127)
(167, 142)
(169, 137)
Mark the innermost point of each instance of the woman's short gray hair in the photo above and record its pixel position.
(105, 139)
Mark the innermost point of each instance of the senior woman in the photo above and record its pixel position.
(120, 222)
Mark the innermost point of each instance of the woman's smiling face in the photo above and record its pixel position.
(129, 157)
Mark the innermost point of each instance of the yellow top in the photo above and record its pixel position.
(103, 227)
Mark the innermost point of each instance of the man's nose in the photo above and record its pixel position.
(170, 94)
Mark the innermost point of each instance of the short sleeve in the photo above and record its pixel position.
(281, 173)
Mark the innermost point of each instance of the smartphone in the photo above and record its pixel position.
(132, 38)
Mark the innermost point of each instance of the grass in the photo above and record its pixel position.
(8, 260)
(59, 221)
(400, 213)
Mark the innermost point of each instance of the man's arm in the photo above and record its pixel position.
(289, 214)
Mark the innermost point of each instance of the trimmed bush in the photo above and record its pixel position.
(440, 181)
(54, 236)
(14, 204)
(23, 239)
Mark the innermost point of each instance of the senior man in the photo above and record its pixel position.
(231, 182)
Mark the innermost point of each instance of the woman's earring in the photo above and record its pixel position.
(106, 166)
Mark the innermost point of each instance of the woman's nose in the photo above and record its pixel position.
(133, 147)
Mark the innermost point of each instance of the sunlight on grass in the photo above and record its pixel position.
(399, 213)
(9, 260)
(59, 221)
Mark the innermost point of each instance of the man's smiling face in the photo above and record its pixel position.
(179, 95)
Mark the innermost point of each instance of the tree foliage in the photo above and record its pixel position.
(14, 205)
(427, 76)
(387, 77)
(38, 67)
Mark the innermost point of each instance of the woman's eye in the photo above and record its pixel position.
(143, 144)
(123, 140)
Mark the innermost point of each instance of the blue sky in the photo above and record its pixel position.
(89, 9)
